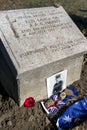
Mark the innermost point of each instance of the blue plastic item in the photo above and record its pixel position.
(77, 111)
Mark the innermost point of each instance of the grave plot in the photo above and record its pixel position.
(36, 44)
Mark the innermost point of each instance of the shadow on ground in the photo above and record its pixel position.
(81, 22)
(83, 10)
(3, 93)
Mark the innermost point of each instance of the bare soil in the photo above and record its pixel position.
(11, 116)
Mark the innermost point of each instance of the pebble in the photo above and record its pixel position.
(9, 123)
(47, 121)
(31, 118)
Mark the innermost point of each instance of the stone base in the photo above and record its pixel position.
(33, 83)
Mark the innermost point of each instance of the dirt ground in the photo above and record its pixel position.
(11, 116)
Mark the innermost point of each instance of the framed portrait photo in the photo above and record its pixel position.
(56, 83)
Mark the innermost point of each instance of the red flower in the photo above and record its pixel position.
(29, 102)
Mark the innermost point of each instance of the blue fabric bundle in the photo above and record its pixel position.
(76, 112)
(75, 92)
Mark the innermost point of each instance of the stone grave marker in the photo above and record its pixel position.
(35, 44)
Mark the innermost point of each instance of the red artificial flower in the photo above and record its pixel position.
(29, 102)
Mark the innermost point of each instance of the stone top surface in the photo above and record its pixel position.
(38, 36)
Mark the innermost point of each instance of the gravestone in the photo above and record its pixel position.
(35, 44)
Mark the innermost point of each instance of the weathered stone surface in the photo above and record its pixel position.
(37, 43)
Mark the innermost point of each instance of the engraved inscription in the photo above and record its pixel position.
(41, 50)
(53, 48)
(34, 23)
